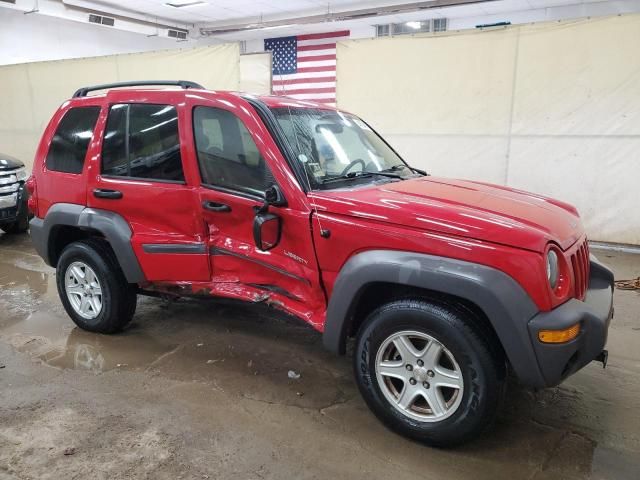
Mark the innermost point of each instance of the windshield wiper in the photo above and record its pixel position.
(402, 166)
(354, 175)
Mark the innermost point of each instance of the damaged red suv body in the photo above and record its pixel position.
(443, 283)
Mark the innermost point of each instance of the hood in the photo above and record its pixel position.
(461, 208)
(9, 163)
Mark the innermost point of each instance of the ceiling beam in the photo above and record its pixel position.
(338, 16)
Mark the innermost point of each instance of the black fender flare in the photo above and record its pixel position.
(505, 303)
(112, 226)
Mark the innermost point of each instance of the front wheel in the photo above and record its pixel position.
(427, 372)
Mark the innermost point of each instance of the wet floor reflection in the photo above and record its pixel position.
(23, 289)
(101, 353)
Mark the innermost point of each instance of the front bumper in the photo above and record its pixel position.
(13, 213)
(558, 361)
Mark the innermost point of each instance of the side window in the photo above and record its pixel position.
(70, 142)
(141, 141)
(227, 155)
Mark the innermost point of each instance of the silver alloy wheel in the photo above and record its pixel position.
(83, 290)
(419, 376)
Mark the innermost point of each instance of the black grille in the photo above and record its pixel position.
(580, 264)
(9, 186)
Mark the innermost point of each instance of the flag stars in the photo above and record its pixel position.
(284, 52)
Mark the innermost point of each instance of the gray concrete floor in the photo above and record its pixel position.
(200, 390)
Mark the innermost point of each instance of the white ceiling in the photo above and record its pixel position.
(218, 12)
(224, 10)
(235, 20)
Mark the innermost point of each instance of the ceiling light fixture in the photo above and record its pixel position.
(414, 25)
(184, 3)
(259, 26)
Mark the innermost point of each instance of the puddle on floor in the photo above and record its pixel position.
(245, 350)
(33, 320)
(23, 290)
(101, 353)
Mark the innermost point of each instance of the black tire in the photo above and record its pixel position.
(21, 225)
(119, 298)
(482, 369)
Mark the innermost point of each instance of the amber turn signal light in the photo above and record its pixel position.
(559, 336)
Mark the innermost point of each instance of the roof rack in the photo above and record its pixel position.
(82, 92)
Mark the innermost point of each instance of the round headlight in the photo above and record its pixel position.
(552, 268)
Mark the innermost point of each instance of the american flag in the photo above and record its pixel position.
(304, 66)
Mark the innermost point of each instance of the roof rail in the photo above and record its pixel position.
(82, 92)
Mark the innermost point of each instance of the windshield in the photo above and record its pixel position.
(335, 147)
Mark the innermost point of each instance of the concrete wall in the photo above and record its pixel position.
(553, 108)
(36, 37)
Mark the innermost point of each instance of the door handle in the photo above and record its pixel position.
(105, 193)
(215, 207)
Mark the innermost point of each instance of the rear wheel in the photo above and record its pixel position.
(93, 288)
(427, 372)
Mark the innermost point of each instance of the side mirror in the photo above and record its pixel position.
(267, 228)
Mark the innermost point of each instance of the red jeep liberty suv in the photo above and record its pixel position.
(443, 284)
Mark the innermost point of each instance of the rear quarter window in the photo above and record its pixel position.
(142, 141)
(69, 145)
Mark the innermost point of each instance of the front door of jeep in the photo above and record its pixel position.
(235, 174)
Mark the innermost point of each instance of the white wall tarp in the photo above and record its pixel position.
(255, 73)
(551, 108)
(33, 91)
